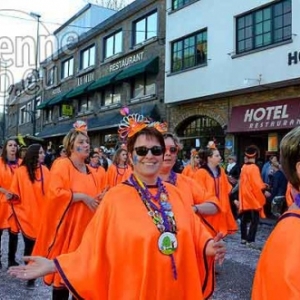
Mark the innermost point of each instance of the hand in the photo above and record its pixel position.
(100, 196)
(9, 196)
(91, 203)
(220, 248)
(236, 203)
(267, 194)
(37, 267)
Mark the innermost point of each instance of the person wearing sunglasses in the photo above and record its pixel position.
(142, 242)
(194, 164)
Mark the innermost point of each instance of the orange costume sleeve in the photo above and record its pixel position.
(124, 261)
(29, 207)
(64, 221)
(219, 187)
(251, 185)
(6, 216)
(277, 273)
(289, 195)
(189, 171)
(116, 175)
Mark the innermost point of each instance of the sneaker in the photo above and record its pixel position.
(252, 245)
(243, 242)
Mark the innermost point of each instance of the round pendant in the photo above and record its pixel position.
(167, 243)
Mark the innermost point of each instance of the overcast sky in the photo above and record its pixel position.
(16, 24)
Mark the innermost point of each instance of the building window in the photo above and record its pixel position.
(49, 113)
(113, 44)
(87, 57)
(112, 95)
(263, 27)
(145, 28)
(189, 52)
(143, 85)
(176, 4)
(23, 115)
(50, 76)
(29, 112)
(38, 111)
(67, 68)
(85, 105)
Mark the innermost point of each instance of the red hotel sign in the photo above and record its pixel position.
(265, 116)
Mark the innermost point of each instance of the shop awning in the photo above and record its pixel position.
(103, 81)
(56, 130)
(147, 66)
(79, 90)
(59, 98)
(44, 104)
(266, 116)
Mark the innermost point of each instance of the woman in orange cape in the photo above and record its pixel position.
(251, 197)
(214, 180)
(28, 187)
(194, 196)
(71, 201)
(193, 166)
(119, 170)
(146, 244)
(277, 272)
(9, 162)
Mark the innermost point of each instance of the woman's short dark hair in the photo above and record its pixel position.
(149, 132)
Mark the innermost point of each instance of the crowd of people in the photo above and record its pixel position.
(135, 226)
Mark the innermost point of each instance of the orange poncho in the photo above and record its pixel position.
(189, 171)
(277, 272)
(6, 216)
(119, 258)
(115, 175)
(64, 221)
(250, 189)
(220, 187)
(29, 207)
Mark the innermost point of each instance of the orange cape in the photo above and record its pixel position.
(277, 273)
(220, 187)
(7, 219)
(124, 262)
(116, 175)
(189, 171)
(28, 209)
(64, 221)
(251, 185)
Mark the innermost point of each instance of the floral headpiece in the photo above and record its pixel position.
(194, 153)
(133, 123)
(80, 126)
(211, 145)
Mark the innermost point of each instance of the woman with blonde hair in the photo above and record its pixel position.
(74, 193)
(194, 164)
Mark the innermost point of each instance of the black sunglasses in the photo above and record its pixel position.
(143, 151)
(172, 149)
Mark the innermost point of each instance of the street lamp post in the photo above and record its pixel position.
(37, 17)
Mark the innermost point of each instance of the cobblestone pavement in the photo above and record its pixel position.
(233, 282)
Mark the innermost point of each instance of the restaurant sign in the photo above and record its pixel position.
(265, 116)
(126, 62)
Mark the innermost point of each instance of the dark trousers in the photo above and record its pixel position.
(12, 246)
(29, 244)
(60, 294)
(252, 217)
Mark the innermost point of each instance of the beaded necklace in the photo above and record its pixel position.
(172, 178)
(41, 179)
(162, 217)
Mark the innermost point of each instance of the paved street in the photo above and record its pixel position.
(233, 282)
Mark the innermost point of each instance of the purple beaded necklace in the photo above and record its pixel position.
(172, 177)
(161, 213)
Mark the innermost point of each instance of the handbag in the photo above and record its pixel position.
(277, 205)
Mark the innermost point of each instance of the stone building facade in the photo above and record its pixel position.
(118, 63)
